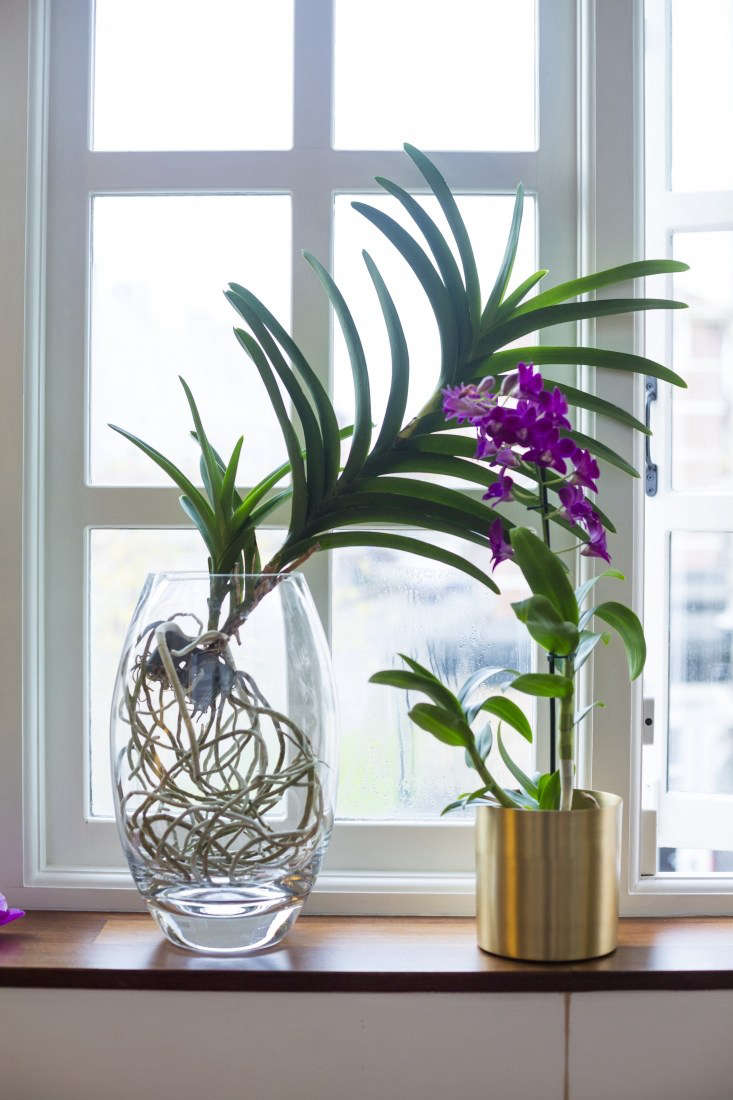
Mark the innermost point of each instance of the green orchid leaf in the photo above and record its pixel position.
(488, 316)
(507, 711)
(390, 541)
(581, 714)
(543, 684)
(544, 572)
(429, 279)
(485, 677)
(457, 226)
(536, 319)
(197, 498)
(413, 681)
(629, 629)
(193, 514)
(582, 591)
(548, 791)
(545, 624)
(321, 400)
(501, 362)
(440, 249)
(611, 276)
(397, 400)
(210, 467)
(522, 779)
(511, 302)
(483, 743)
(227, 495)
(362, 415)
(588, 642)
(464, 800)
(443, 725)
(300, 489)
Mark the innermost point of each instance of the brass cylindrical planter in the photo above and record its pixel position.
(547, 882)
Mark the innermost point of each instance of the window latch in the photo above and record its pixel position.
(650, 468)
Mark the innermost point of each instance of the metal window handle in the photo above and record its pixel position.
(651, 472)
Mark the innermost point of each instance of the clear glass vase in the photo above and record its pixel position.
(224, 755)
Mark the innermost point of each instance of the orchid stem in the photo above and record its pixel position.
(541, 477)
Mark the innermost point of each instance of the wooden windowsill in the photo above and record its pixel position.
(354, 954)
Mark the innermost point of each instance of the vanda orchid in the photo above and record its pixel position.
(525, 436)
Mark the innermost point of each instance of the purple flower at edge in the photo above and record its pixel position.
(6, 913)
(501, 550)
(586, 472)
(575, 506)
(596, 546)
(501, 489)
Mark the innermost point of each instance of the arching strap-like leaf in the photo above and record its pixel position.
(491, 677)
(581, 714)
(429, 493)
(214, 475)
(499, 362)
(230, 477)
(588, 642)
(321, 400)
(448, 205)
(588, 283)
(538, 319)
(440, 249)
(488, 316)
(362, 398)
(522, 779)
(389, 540)
(430, 281)
(510, 303)
(600, 450)
(198, 499)
(193, 514)
(300, 489)
(314, 456)
(629, 629)
(386, 508)
(395, 411)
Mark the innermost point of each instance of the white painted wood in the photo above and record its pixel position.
(643, 1046)
(318, 1046)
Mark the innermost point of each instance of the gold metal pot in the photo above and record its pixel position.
(547, 882)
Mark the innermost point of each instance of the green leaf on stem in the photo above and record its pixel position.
(443, 725)
(545, 624)
(548, 791)
(629, 629)
(544, 572)
(490, 676)
(523, 780)
(414, 681)
(582, 590)
(543, 684)
(508, 712)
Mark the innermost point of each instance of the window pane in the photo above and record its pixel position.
(386, 602)
(703, 354)
(700, 749)
(178, 74)
(487, 218)
(461, 76)
(702, 95)
(119, 561)
(160, 264)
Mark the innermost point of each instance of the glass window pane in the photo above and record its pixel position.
(160, 264)
(702, 95)
(442, 77)
(119, 561)
(703, 355)
(487, 219)
(385, 602)
(178, 74)
(700, 749)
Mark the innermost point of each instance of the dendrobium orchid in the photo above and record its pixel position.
(6, 913)
(523, 421)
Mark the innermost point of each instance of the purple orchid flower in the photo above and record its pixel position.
(575, 506)
(6, 913)
(501, 550)
(596, 546)
(469, 402)
(501, 489)
(586, 472)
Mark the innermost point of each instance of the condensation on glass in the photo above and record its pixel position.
(702, 94)
(703, 355)
(119, 559)
(459, 76)
(160, 264)
(487, 218)
(385, 602)
(182, 75)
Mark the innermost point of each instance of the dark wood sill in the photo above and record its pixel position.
(355, 955)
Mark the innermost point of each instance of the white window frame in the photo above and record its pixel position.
(588, 180)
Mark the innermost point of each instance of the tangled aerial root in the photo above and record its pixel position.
(206, 761)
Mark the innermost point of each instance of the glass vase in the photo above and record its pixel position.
(224, 755)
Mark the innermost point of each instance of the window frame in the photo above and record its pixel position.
(565, 171)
